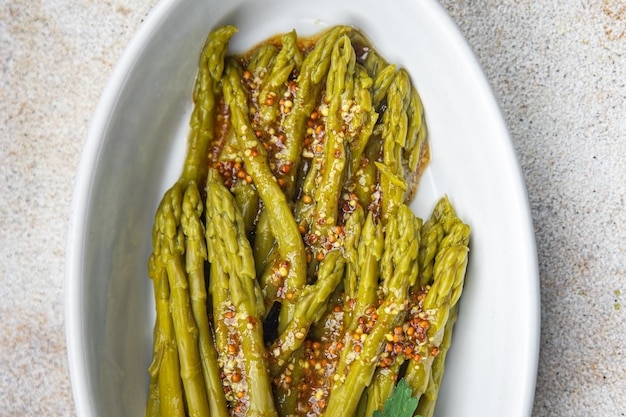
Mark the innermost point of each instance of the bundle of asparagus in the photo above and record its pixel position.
(290, 276)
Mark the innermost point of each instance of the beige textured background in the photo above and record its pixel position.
(558, 68)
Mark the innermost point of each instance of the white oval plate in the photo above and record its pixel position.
(135, 148)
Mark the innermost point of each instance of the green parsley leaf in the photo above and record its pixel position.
(400, 403)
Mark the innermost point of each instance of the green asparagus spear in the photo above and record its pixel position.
(314, 69)
(352, 230)
(392, 181)
(286, 393)
(432, 233)
(261, 59)
(370, 253)
(340, 89)
(218, 290)
(426, 405)
(443, 229)
(382, 73)
(263, 242)
(196, 256)
(393, 256)
(416, 122)
(170, 247)
(443, 259)
(153, 409)
(311, 306)
(374, 63)
(229, 247)
(288, 59)
(273, 87)
(166, 395)
(392, 259)
(449, 275)
(286, 230)
(167, 253)
(382, 82)
(382, 386)
(362, 117)
(366, 179)
(347, 391)
(203, 115)
(247, 200)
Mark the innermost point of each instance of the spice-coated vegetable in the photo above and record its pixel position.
(290, 276)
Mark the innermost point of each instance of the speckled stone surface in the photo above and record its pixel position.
(558, 69)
